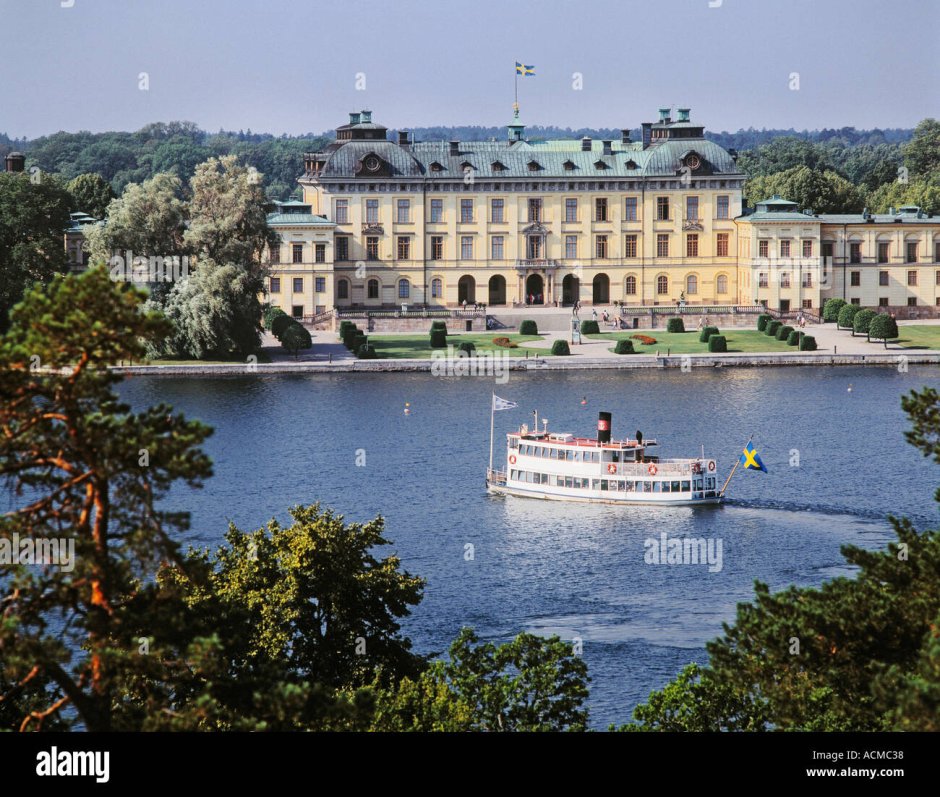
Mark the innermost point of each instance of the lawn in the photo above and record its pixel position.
(916, 336)
(396, 347)
(739, 340)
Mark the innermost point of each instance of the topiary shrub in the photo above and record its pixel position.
(783, 333)
(808, 343)
(763, 320)
(366, 352)
(280, 323)
(343, 326)
(349, 335)
(675, 325)
(847, 316)
(442, 325)
(560, 347)
(590, 328)
(831, 309)
(359, 339)
(862, 320)
(793, 339)
(883, 327)
(771, 329)
(438, 338)
(717, 344)
(270, 314)
(528, 327)
(706, 333)
(624, 347)
(467, 346)
(295, 338)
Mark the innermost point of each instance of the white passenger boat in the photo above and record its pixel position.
(562, 467)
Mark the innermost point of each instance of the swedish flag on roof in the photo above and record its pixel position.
(523, 69)
(750, 458)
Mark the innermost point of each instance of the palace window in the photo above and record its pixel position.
(496, 247)
(662, 208)
(807, 304)
(404, 211)
(466, 211)
(496, 211)
(691, 284)
(721, 244)
(298, 284)
(342, 247)
(884, 248)
(762, 281)
(372, 289)
(784, 249)
(691, 208)
(911, 252)
(298, 253)
(855, 253)
(883, 278)
(342, 211)
(437, 210)
(404, 247)
(807, 248)
(662, 285)
(571, 246)
(372, 247)
(721, 284)
(691, 245)
(320, 284)
(535, 209)
(855, 300)
(662, 245)
(297, 311)
(629, 286)
(437, 288)
(937, 278)
(342, 289)
(912, 301)
(437, 247)
(600, 247)
(629, 209)
(763, 248)
(404, 289)
(466, 247)
(855, 278)
(571, 210)
(275, 284)
(319, 253)
(372, 211)
(883, 301)
(807, 279)
(912, 279)
(722, 207)
(275, 254)
(629, 246)
(784, 279)
(600, 209)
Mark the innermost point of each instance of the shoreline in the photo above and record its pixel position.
(625, 362)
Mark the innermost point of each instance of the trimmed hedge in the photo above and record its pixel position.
(281, 323)
(675, 325)
(771, 329)
(270, 314)
(590, 328)
(560, 347)
(862, 321)
(808, 343)
(528, 327)
(717, 343)
(359, 339)
(763, 320)
(467, 346)
(624, 347)
(793, 339)
(349, 335)
(295, 338)
(883, 327)
(442, 325)
(366, 352)
(847, 315)
(438, 338)
(706, 333)
(783, 333)
(831, 309)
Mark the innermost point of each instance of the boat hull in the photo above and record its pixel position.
(592, 497)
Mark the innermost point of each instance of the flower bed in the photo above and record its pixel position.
(506, 343)
(646, 340)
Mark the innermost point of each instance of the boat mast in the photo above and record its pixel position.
(736, 463)
(492, 416)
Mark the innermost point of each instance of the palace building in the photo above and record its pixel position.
(652, 222)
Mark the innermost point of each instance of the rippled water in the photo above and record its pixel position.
(577, 570)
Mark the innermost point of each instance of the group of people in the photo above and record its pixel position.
(476, 305)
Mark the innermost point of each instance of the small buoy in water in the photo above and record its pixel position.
(584, 400)
(850, 388)
(407, 408)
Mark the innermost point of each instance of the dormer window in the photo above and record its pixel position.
(498, 166)
(600, 165)
(467, 165)
(631, 164)
(569, 166)
(436, 167)
(534, 166)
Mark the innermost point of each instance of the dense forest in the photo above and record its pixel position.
(830, 170)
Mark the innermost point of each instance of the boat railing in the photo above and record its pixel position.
(661, 468)
(497, 477)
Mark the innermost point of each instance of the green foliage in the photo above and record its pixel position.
(675, 325)
(91, 194)
(280, 323)
(466, 346)
(862, 320)
(784, 332)
(824, 191)
(706, 333)
(349, 334)
(590, 327)
(295, 338)
(366, 352)
(771, 329)
(343, 326)
(442, 325)
(717, 344)
(808, 343)
(916, 191)
(847, 316)
(438, 338)
(883, 327)
(359, 339)
(270, 313)
(528, 327)
(922, 152)
(624, 346)
(831, 309)
(32, 218)
(763, 320)
(560, 348)
(793, 339)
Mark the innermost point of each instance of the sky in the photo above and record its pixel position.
(297, 66)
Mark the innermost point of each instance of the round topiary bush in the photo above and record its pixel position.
(717, 344)
(847, 315)
(624, 347)
(295, 338)
(466, 346)
(442, 325)
(883, 327)
(438, 338)
(706, 333)
(862, 320)
(560, 347)
(675, 325)
(793, 339)
(528, 327)
(349, 335)
(270, 314)
(359, 339)
(280, 323)
(590, 328)
(366, 352)
(808, 343)
(763, 320)
(783, 333)
(831, 309)
(771, 329)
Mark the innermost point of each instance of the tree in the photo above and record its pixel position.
(91, 194)
(295, 338)
(831, 309)
(883, 327)
(862, 320)
(88, 474)
(846, 318)
(33, 218)
(822, 191)
(922, 152)
(896, 194)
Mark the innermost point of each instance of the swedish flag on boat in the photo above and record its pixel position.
(523, 69)
(751, 459)
(503, 404)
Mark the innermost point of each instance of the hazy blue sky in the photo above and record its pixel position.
(291, 65)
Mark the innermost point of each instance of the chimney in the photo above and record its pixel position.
(365, 117)
(454, 147)
(403, 138)
(625, 136)
(586, 144)
(647, 135)
(664, 115)
(353, 118)
(607, 147)
(603, 427)
(15, 162)
(683, 114)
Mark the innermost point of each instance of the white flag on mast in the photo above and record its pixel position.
(502, 404)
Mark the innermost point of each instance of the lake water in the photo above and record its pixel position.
(575, 570)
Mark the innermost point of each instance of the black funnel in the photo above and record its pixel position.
(603, 427)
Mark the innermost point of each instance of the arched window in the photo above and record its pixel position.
(342, 289)
(662, 285)
(437, 288)
(629, 286)
(691, 284)
(372, 290)
(722, 283)
(404, 289)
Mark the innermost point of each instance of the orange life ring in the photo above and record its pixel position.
(652, 469)
(512, 459)
(696, 468)
(711, 465)
(611, 468)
